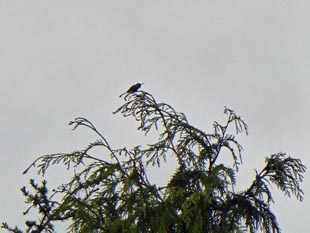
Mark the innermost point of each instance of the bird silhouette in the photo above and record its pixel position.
(132, 89)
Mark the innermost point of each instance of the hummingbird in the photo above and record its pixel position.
(132, 89)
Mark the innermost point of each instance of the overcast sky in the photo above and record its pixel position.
(63, 59)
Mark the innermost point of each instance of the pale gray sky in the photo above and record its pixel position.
(62, 59)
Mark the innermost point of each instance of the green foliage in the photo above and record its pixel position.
(113, 193)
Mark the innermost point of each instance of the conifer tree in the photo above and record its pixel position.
(113, 192)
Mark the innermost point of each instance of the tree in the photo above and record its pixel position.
(113, 193)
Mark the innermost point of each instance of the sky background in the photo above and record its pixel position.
(63, 59)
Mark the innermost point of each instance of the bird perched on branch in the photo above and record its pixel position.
(132, 89)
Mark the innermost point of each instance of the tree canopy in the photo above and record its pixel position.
(113, 192)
